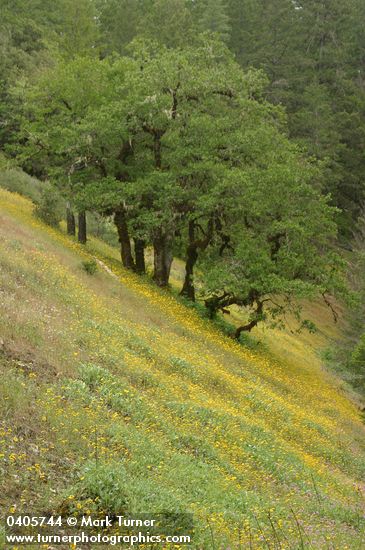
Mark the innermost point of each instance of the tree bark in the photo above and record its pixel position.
(188, 288)
(70, 217)
(139, 246)
(217, 303)
(162, 258)
(245, 328)
(253, 323)
(82, 227)
(212, 305)
(124, 239)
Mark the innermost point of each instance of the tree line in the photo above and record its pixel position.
(229, 134)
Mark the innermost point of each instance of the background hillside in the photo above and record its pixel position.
(115, 396)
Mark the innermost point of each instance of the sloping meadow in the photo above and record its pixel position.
(117, 398)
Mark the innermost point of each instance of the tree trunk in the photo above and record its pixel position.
(212, 305)
(125, 242)
(162, 258)
(253, 323)
(220, 303)
(139, 246)
(82, 227)
(188, 288)
(245, 328)
(71, 225)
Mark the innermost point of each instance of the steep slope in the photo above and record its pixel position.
(116, 397)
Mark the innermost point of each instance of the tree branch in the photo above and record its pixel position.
(328, 304)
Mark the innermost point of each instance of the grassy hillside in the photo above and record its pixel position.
(113, 396)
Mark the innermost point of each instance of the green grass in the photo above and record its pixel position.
(114, 397)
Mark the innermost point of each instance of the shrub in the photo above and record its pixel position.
(90, 267)
(17, 181)
(358, 355)
(106, 486)
(49, 207)
(92, 375)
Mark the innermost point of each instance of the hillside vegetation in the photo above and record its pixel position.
(116, 397)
